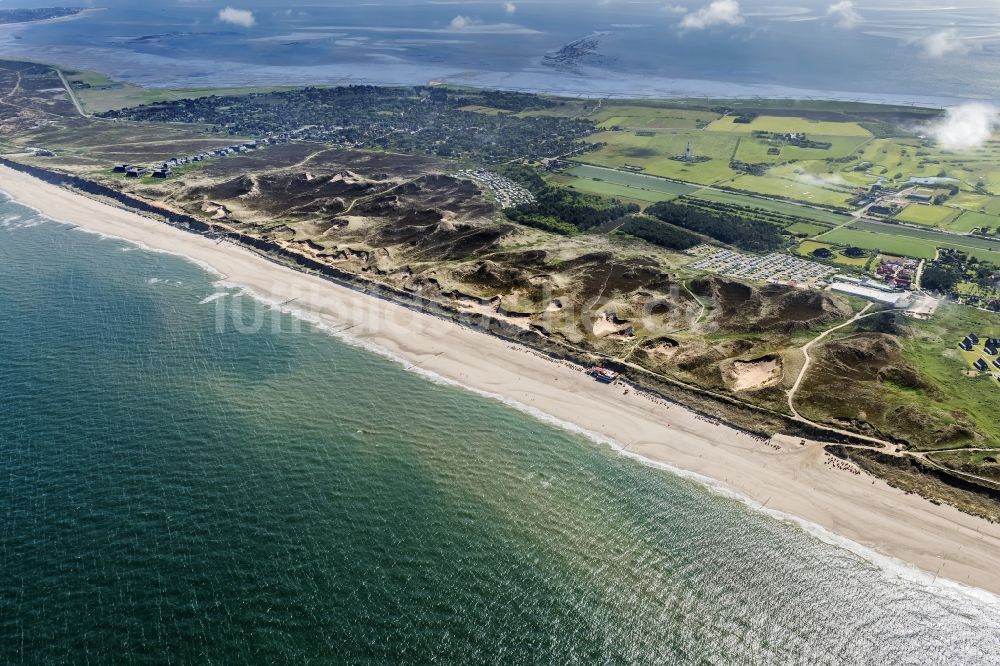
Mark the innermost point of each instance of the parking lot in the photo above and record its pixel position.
(507, 193)
(776, 267)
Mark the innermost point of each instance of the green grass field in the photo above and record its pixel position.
(801, 189)
(633, 187)
(932, 216)
(945, 239)
(899, 159)
(651, 117)
(819, 215)
(933, 350)
(656, 132)
(754, 151)
(970, 220)
(970, 201)
(605, 189)
(105, 94)
(659, 188)
(889, 156)
(789, 124)
(485, 110)
(910, 242)
(803, 229)
(654, 153)
(870, 240)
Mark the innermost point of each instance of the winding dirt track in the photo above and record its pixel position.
(888, 447)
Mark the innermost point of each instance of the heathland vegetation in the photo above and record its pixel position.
(359, 184)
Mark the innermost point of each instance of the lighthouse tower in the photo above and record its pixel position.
(688, 155)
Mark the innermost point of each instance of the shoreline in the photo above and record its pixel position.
(591, 84)
(902, 533)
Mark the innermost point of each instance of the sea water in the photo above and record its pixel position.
(636, 49)
(173, 490)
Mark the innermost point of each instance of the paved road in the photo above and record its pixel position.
(71, 93)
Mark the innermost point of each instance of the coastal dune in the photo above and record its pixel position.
(783, 476)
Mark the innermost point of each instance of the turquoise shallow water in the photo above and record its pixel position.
(170, 493)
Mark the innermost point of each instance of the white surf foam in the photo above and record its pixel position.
(214, 297)
(886, 563)
(208, 268)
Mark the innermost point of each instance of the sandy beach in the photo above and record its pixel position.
(782, 477)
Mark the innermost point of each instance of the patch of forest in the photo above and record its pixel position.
(733, 229)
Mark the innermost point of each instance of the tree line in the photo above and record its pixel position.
(744, 233)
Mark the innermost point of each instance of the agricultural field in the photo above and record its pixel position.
(828, 177)
(970, 201)
(753, 150)
(871, 240)
(889, 157)
(806, 229)
(563, 108)
(827, 174)
(992, 206)
(971, 220)
(910, 242)
(654, 152)
(800, 188)
(818, 215)
(97, 93)
(623, 184)
(476, 108)
(789, 124)
(651, 117)
(642, 198)
(899, 159)
(931, 216)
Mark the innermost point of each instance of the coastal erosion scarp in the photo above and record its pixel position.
(787, 478)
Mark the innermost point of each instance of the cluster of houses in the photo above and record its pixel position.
(508, 193)
(792, 138)
(165, 170)
(920, 197)
(991, 348)
(898, 272)
(877, 197)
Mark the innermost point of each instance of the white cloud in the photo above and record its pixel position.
(719, 12)
(241, 17)
(465, 26)
(845, 13)
(473, 25)
(675, 9)
(822, 180)
(966, 127)
(509, 7)
(946, 42)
